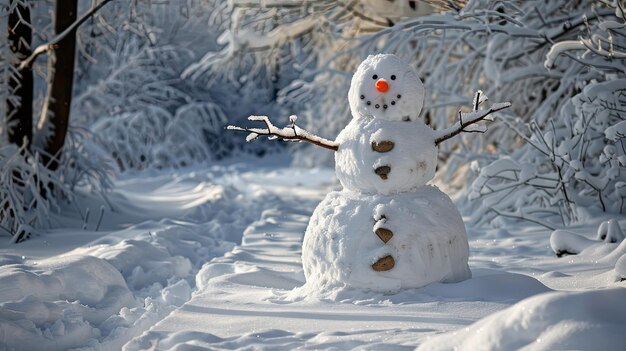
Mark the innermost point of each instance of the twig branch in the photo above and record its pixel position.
(52, 44)
(466, 120)
(289, 133)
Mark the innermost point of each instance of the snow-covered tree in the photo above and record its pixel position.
(572, 157)
(36, 175)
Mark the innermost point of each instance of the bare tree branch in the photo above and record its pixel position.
(52, 44)
(289, 133)
(466, 120)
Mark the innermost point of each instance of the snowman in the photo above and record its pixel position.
(386, 229)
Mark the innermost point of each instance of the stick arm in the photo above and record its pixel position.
(291, 132)
(468, 119)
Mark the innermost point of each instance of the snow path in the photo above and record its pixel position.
(98, 287)
(169, 253)
(243, 297)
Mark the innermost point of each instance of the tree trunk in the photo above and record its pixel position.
(19, 105)
(55, 114)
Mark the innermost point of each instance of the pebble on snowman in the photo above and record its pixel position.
(386, 229)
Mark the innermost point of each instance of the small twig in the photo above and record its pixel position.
(522, 217)
(290, 133)
(52, 44)
(100, 218)
(467, 119)
(86, 220)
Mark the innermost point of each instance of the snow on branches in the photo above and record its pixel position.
(289, 133)
(468, 121)
(602, 45)
(579, 161)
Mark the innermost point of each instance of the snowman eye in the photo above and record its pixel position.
(393, 77)
(362, 97)
(375, 76)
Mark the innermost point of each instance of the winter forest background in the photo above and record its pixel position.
(155, 82)
(97, 92)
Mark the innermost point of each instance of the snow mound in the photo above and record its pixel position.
(485, 285)
(488, 285)
(263, 340)
(610, 232)
(589, 320)
(58, 299)
(564, 242)
(608, 250)
(429, 243)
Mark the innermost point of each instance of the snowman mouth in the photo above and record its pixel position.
(381, 104)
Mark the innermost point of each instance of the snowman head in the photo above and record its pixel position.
(385, 87)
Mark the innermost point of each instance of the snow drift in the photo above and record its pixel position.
(589, 320)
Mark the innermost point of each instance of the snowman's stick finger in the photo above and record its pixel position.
(466, 120)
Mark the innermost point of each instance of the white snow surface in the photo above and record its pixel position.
(58, 299)
(340, 245)
(210, 259)
(587, 320)
(412, 160)
(97, 289)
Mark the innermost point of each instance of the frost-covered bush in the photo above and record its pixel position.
(30, 192)
(147, 78)
(571, 162)
(85, 164)
(152, 137)
(25, 186)
(577, 162)
(139, 80)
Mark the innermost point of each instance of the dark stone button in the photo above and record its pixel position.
(383, 171)
(384, 234)
(384, 264)
(383, 146)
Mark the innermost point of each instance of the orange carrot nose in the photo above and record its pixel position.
(382, 85)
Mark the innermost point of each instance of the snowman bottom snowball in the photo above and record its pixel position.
(385, 243)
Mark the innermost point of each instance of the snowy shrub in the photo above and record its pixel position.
(30, 192)
(25, 185)
(154, 119)
(153, 137)
(146, 79)
(138, 80)
(85, 164)
(574, 159)
(577, 162)
(192, 136)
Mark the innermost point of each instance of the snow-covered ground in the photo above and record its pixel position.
(210, 259)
